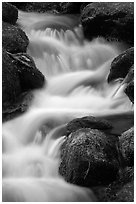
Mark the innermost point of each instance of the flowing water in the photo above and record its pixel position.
(76, 85)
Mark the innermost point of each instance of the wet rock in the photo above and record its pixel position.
(41, 7)
(14, 40)
(121, 65)
(126, 143)
(89, 157)
(19, 75)
(10, 81)
(71, 7)
(30, 77)
(19, 5)
(114, 124)
(121, 190)
(130, 91)
(87, 122)
(83, 6)
(111, 20)
(120, 122)
(20, 106)
(52, 7)
(129, 80)
(130, 76)
(9, 13)
(126, 194)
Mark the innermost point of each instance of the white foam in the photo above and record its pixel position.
(76, 74)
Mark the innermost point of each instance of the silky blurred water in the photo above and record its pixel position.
(76, 85)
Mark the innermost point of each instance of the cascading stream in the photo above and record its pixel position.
(76, 73)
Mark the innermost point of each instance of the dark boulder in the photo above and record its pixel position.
(121, 190)
(14, 40)
(52, 7)
(120, 122)
(9, 13)
(121, 65)
(126, 143)
(71, 7)
(19, 75)
(87, 122)
(21, 105)
(19, 5)
(41, 7)
(30, 77)
(129, 80)
(111, 20)
(130, 91)
(10, 81)
(126, 193)
(114, 124)
(89, 157)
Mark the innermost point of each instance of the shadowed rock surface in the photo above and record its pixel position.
(40, 7)
(121, 190)
(112, 20)
(19, 75)
(19, 5)
(87, 122)
(52, 7)
(10, 81)
(89, 158)
(9, 13)
(126, 143)
(14, 40)
(30, 77)
(126, 194)
(71, 7)
(21, 105)
(129, 80)
(130, 91)
(121, 65)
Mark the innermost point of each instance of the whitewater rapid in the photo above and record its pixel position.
(76, 74)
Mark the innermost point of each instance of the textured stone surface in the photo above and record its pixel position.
(21, 105)
(87, 122)
(89, 157)
(130, 91)
(129, 80)
(121, 65)
(121, 190)
(10, 81)
(126, 142)
(30, 77)
(19, 75)
(71, 7)
(41, 7)
(53, 7)
(14, 40)
(126, 193)
(9, 13)
(112, 20)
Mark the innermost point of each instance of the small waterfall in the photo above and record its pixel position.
(76, 73)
